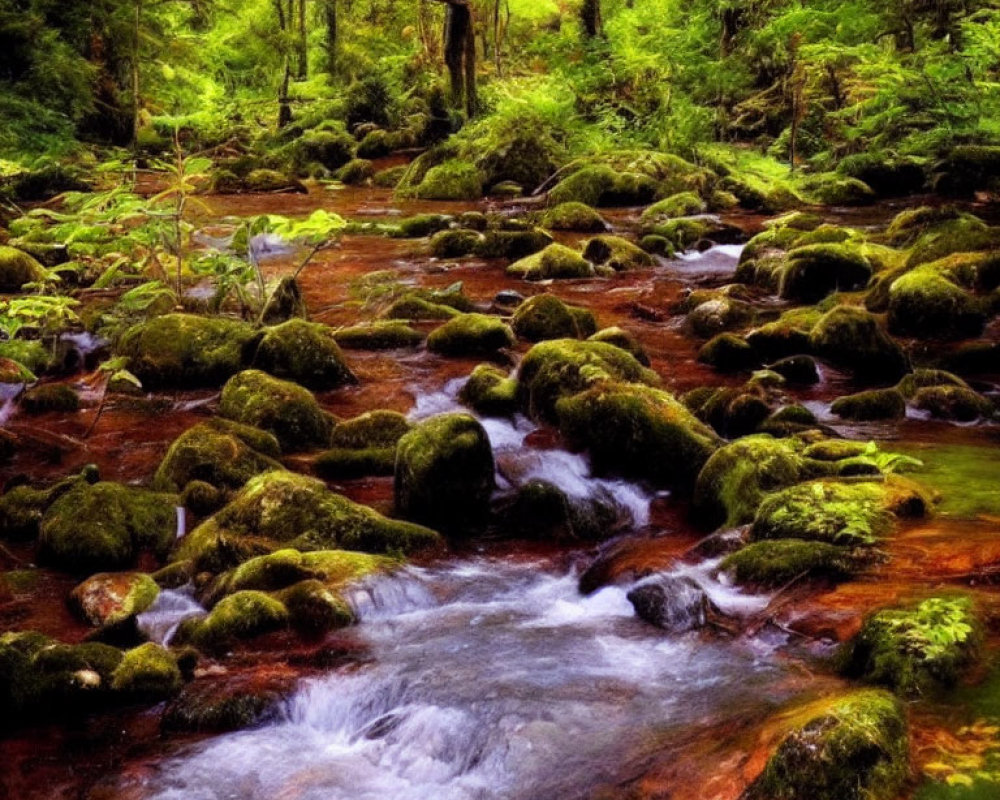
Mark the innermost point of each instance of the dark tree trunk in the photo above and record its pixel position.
(303, 48)
(590, 18)
(330, 17)
(460, 54)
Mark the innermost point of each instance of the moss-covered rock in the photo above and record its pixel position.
(364, 445)
(112, 598)
(966, 168)
(684, 204)
(718, 315)
(927, 303)
(562, 367)
(574, 216)
(283, 509)
(18, 268)
(413, 307)
(854, 747)
(286, 567)
(149, 672)
(623, 340)
(876, 404)
(452, 180)
(455, 243)
(490, 392)
(851, 338)
(615, 253)
(106, 526)
(924, 378)
(816, 270)
(832, 190)
(471, 335)
(770, 564)
(545, 316)
(50, 397)
(330, 148)
(261, 181)
(953, 402)
(356, 171)
(380, 335)
(602, 186)
(915, 650)
(280, 407)
(637, 431)
(445, 472)
(728, 352)
(731, 411)
(512, 244)
(420, 225)
(800, 369)
(241, 615)
(185, 350)
(554, 262)
(221, 453)
(348, 463)
(303, 352)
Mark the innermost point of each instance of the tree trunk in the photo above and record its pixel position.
(284, 106)
(460, 54)
(330, 17)
(303, 62)
(590, 18)
(135, 75)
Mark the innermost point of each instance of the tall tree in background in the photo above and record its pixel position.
(590, 18)
(330, 21)
(460, 54)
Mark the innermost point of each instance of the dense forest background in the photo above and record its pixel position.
(807, 83)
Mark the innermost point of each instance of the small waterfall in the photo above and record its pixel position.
(159, 622)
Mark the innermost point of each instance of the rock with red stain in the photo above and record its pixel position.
(111, 598)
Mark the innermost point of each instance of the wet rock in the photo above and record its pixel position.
(817, 270)
(280, 407)
(683, 204)
(953, 402)
(18, 268)
(553, 263)
(508, 298)
(876, 404)
(471, 335)
(930, 302)
(242, 615)
(602, 186)
(412, 307)
(718, 315)
(853, 747)
(545, 316)
(50, 397)
(185, 350)
(213, 706)
(149, 672)
(285, 303)
(728, 352)
(616, 253)
(573, 216)
(490, 392)
(797, 369)
(851, 338)
(378, 336)
(106, 526)
(677, 605)
(623, 340)
(364, 445)
(541, 510)
(772, 564)
(445, 472)
(111, 598)
(305, 353)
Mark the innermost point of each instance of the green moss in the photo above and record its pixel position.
(637, 431)
(332, 149)
(219, 452)
(545, 316)
(684, 204)
(830, 189)
(915, 650)
(107, 599)
(924, 378)
(854, 747)
(268, 181)
(379, 428)
(927, 304)
(148, 671)
(719, 314)
(471, 335)
(953, 402)
(573, 216)
(313, 608)
(412, 307)
(563, 367)
(963, 234)
(303, 352)
(657, 245)
(18, 268)
(378, 336)
(490, 392)
(284, 568)
(344, 463)
(445, 472)
(616, 253)
(623, 340)
(732, 412)
(728, 352)
(799, 370)
(185, 350)
(816, 270)
(771, 564)
(452, 180)
(512, 244)
(283, 509)
(356, 171)
(106, 526)
(242, 615)
(22, 507)
(876, 404)
(50, 397)
(421, 225)
(851, 338)
(603, 186)
(32, 354)
(285, 409)
(455, 244)
(554, 262)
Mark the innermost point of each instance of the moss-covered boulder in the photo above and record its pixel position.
(728, 352)
(553, 263)
(683, 204)
(719, 315)
(602, 186)
(617, 254)
(455, 243)
(280, 407)
(356, 171)
(876, 404)
(623, 340)
(513, 244)
(771, 564)
(379, 335)
(241, 615)
(283, 509)
(379, 428)
(261, 181)
(830, 189)
(799, 369)
(219, 452)
(452, 180)
(915, 650)
(51, 397)
(185, 350)
(545, 316)
(853, 747)
(851, 338)
(816, 270)
(303, 352)
(18, 268)
(637, 431)
(413, 307)
(420, 225)
(445, 473)
(563, 367)
(953, 402)
(219, 706)
(927, 303)
(574, 216)
(731, 411)
(106, 526)
(364, 445)
(850, 514)
(112, 598)
(490, 392)
(148, 672)
(471, 335)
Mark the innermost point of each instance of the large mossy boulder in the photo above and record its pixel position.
(186, 350)
(280, 407)
(953, 403)
(219, 452)
(602, 186)
(816, 270)
(562, 367)
(452, 180)
(617, 254)
(852, 339)
(112, 598)
(914, 651)
(623, 340)
(928, 303)
(490, 392)
(637, 431)
(147, 672)
(683, 204)
(303, 352)
(379, 335)
(545, 316)
(555, 262)
(106, 526)
(574, 216)
(241, 615)
(853, 747)
(471, 335)
(282, 509)
(445, 473)
(18, 268)
(771, 564)
(364, 445)
(875, 404)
